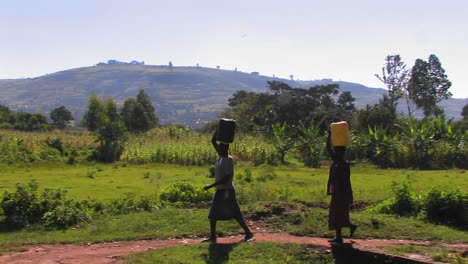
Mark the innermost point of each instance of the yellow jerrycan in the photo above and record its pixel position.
(339, 134)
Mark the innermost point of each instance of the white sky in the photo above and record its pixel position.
(340, 39)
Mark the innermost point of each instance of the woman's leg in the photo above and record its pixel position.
(248, 234)
(338, 238)
(213, 229)
(212, 238)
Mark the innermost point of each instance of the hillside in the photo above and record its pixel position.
(184, 95)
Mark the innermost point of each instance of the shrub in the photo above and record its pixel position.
(436, 206)
(22, 207)
(25, 207)
(404, 202)
(131, 205)
(63, 216)
(55, 143)
(446, 207)
(185, 193)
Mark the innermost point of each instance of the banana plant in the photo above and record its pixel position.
(282, 140)
(311, 144)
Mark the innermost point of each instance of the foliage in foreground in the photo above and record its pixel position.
(437, 206)
(51, 208)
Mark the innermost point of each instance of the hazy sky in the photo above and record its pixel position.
(340, 39)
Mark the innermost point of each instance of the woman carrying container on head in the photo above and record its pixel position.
(339, 183)
(224, 205)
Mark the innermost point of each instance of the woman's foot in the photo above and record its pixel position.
(352, 229)
(336, 240)
(248, 237)
(209, 240)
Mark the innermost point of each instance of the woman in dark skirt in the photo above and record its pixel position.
(224, 205)
(339, 187)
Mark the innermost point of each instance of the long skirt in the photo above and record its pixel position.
(338, 216)
(224, 205)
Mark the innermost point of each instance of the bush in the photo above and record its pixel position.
(25, 207)
(404, 203)
(185, 193)
(446, 207)
(450, 208)
(63, 216)
(22, 207)
(55, 143)
(131, 205)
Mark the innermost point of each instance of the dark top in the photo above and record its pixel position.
(339, 182)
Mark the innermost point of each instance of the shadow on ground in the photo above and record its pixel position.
(219, 253)
(346, 254)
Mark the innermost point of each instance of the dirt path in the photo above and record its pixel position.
(112, 252)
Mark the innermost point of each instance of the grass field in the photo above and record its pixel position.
(109, 181)
(251, 253)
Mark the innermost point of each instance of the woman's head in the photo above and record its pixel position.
(223, 149)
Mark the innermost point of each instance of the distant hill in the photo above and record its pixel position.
(183, 95)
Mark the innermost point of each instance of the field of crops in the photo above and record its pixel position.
(177, 145)
(17, 148)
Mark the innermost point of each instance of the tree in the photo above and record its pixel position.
(133, 115)
(110, 133)
(377, 116)
(7, 117)
(138, 114)
(92, 119)
(61, 116)
(151, 120)
(30, 122)
(293, 106)
(428, 85)
(464, 112)
(345, 103)
(395, 77)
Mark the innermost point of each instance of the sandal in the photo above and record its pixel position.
(336, 240)
(209, 240)
(248, 238)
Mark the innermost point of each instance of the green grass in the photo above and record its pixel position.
(103, 181)
(313, 222)
(110, 181)
(436, 253)
(164, 223)
(176, 222)
(249, 253)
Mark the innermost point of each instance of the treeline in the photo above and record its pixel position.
(110, 124)
(296, 120)
(25, 121)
